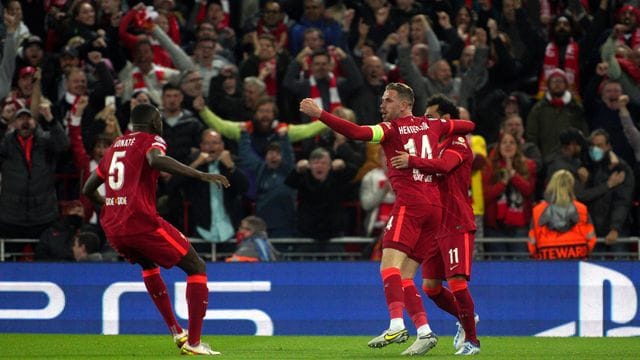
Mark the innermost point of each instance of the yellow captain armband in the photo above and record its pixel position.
(378, 133)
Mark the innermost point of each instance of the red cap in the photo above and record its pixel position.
(29, 70)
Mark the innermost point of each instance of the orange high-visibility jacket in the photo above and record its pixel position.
(548, 244)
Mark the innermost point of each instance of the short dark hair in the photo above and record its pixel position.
(268, 100)
(320, 52)
(274, 146)
(142, 114)
(404, 91)
(600, 132)
(170, 86)
(90, 241)
(445, 105)
(571, 135)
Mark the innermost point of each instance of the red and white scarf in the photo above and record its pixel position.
(334, 97)
(571, 66)
(138, 78)
(634, 39)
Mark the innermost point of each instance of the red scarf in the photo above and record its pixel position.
(571, 66)
(630, 69)
(276, 31)
(26, 145)
(270, 81)
(634, 40)
(334, 97)
(138, 79)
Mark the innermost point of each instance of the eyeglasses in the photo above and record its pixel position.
(195, 79)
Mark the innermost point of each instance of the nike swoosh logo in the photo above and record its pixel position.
(453, 267)
(391, 337)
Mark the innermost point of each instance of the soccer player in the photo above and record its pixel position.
(451, 258)
(130, 170)
(415, 218)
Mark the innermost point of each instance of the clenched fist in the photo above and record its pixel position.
(310, 108)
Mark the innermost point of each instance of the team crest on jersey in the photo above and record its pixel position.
(460, 141)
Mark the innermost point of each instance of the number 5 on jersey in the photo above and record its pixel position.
(116, 171)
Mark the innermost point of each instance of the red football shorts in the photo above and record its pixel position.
(412, 229)
(165, 246)
(451, 257)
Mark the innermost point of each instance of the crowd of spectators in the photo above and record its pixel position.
(551, 85)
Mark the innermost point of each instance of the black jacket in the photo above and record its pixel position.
(28, 196)
(198, 194)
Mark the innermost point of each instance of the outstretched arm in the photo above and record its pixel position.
(461, 127)
(344, 127)
(159, 161)
(449, 161)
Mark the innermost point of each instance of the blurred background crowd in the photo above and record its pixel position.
(551, 85)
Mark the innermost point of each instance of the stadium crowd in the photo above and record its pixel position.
(551, 85)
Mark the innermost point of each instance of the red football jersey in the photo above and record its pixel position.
(130, 183)
(457, 215)
(418, 136)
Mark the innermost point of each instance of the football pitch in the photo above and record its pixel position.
(61, 346)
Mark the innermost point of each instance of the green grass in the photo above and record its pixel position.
(37, 346)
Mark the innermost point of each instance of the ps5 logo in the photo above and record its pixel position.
(623, 304)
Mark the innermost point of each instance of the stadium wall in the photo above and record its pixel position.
(318, 298)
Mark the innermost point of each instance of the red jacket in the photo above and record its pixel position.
(493, 190)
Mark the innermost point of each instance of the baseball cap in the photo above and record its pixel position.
(32, 40)
(21, 111)
(27, 70)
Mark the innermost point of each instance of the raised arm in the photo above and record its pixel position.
(226, 128)
(344, 127)
(299, 132)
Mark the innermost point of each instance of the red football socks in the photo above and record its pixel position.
(443, 298)
(197, 301)
(413, 303)
(393, 291)
(158, 292)
(466, 308)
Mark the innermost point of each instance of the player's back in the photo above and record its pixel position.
(454, 188)
(130, 184)
(418, 136)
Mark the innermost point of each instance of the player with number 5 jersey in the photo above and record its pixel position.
(130, 170)
(416, 215)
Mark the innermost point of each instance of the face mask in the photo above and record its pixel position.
(596, 153)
